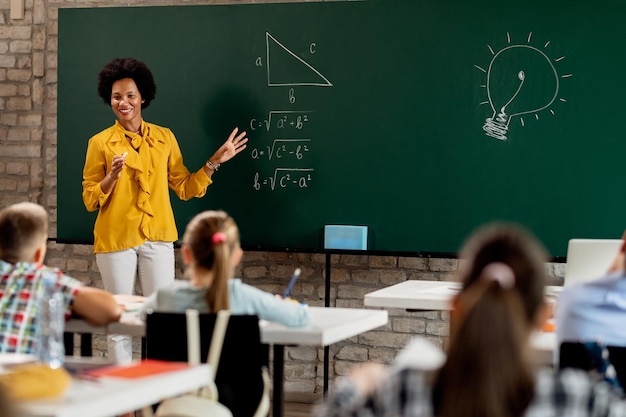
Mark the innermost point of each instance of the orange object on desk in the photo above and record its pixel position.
(142, 369)
(548, 326)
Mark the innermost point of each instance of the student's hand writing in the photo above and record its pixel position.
(233, 145)
(280, 297)
(291, 300)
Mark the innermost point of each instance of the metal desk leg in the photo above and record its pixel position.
(86, 347)
(68, 343)
(144, 352)
(326, 362)
(326, 304)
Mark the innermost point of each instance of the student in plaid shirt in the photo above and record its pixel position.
(488, 371)
(23, 243)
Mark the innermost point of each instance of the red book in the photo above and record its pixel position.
(142, 369)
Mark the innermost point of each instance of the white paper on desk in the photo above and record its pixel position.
(8, 360)
(419, 354)
(130, 302)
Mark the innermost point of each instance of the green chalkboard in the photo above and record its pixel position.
(419, 119)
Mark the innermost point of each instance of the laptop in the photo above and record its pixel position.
(589, 259)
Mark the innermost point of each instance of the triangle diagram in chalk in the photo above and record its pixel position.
(284, 68)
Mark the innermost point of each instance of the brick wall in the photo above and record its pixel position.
(28, 102)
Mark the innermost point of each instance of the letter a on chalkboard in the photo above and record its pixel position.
(284, 68)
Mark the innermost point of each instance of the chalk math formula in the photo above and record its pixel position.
(289, 145)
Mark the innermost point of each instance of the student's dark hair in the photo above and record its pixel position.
(213, 236)
(23, 228)
(489, 370)
(121, 68)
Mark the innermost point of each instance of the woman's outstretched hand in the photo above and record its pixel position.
(233, 145)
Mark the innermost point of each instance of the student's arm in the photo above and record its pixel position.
(246, 299)
(150, 304)
(618, 262)
(395, 394)
(97, 307)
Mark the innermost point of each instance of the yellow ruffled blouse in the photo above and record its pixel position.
(138, 208)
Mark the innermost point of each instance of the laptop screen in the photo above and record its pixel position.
(589, 259)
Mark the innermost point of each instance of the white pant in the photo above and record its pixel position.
(153, 263)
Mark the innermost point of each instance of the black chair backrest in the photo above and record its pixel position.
(239, 379)
(617, 356)
(575, 355)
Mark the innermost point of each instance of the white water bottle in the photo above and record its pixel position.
(51, 349)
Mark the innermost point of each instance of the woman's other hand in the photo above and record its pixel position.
(116, 170)
(117, 165)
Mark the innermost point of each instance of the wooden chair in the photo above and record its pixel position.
(242, 378)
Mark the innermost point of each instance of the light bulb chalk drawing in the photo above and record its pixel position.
(521, 80)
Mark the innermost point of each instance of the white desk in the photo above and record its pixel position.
(328, 325)
(423, 295)
(544, 345)
(437, 295)
(108, 396)
(130, 324)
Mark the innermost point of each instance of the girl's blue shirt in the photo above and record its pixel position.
(244, 300)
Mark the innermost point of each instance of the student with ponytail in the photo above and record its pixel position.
(488, 370)
(211, 251)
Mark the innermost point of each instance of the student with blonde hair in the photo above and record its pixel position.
(488, 370)
(23, 244)
(211, 251)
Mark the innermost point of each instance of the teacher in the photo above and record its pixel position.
(129, 169)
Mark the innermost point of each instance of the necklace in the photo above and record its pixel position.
(138, 131)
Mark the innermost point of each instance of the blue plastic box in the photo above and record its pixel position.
(345, 237)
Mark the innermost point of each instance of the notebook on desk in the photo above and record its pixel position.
(589, 259)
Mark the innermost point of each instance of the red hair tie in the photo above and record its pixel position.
(218, 237)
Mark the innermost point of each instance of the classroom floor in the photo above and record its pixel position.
(291, 409)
